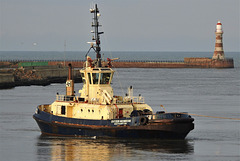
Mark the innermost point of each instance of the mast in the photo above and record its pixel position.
(96, 37)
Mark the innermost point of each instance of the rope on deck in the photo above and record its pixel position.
(215, 117)
(228, 118)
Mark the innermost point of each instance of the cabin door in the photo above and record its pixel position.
(120, 113)
(69, 111)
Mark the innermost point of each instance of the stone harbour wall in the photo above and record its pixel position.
(35, 76)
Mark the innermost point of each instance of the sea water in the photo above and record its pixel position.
(211, 92)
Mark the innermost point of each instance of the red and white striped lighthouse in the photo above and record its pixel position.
(218, 52)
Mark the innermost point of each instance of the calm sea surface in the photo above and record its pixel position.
(212, 92)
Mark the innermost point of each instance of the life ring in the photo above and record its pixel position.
(143, 120)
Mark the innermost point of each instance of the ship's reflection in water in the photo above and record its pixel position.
(86, 149)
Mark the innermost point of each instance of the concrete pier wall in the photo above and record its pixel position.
(187, 63)
(191, 62)
(148, 64)
(6, 80)
(35, 76)
(208, 63)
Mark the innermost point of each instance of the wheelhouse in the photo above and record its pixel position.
(98, 76)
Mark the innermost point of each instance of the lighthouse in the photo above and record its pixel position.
(218, 52)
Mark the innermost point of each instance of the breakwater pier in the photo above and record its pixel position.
(44, 72)
(190, 62)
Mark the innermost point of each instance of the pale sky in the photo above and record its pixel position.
(128, 25)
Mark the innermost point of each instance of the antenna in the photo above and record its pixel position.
(96, 37)
(65, 44)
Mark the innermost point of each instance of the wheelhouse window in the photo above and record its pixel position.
(102, 78)
(83, 78)
(95, 78)
(105, 78)
(89, 78)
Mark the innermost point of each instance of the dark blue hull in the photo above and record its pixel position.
(61, 126)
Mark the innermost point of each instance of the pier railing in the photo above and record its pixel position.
(135, 61)
(80, 60)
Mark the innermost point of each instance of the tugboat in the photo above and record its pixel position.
(97, 112)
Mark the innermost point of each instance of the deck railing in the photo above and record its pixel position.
(134, 99)
(64, 98)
